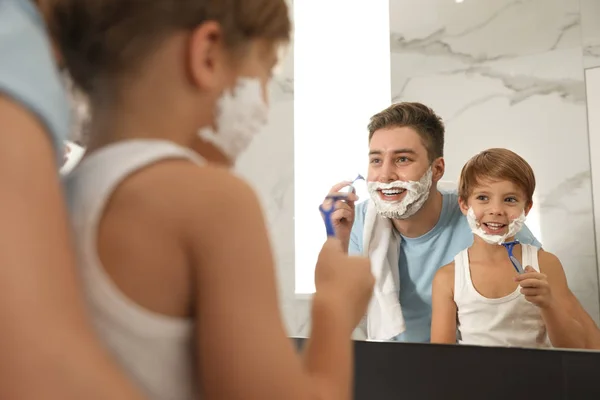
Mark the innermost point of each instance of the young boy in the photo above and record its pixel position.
(173, 250)
(480, 299)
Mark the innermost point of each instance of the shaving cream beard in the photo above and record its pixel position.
(416, 195)
(513, 228)
(240, 114)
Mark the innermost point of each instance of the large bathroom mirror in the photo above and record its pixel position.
(500, 74)
(522, 75)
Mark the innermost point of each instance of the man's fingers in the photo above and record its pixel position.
(341, 214)
(351, 197)
(339, 186)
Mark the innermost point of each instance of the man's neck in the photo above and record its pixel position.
(424, 220)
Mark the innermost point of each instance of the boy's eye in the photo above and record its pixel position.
(481, 197)
(511, 199)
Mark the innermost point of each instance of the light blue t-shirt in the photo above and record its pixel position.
(28, 73)
(421, 257)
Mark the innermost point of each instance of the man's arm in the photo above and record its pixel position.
(443, 317)
(48, 347)
(526, 237)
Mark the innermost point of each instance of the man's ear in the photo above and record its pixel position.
(438, 168)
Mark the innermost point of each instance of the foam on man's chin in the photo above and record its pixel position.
(416, 195)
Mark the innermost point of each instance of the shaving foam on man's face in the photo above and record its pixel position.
(415, 194)
(241, 113)
(485, 230)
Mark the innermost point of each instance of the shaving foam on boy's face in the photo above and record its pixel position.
(241, 113)
(514, 226)
(414, 195)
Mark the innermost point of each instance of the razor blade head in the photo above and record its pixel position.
(348, 189)
(517, 264)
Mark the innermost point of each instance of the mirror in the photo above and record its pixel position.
(503, 74)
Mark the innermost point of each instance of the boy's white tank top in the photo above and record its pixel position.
(507, 321)
(156, 350)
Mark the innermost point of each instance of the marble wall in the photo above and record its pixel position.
(507, 73)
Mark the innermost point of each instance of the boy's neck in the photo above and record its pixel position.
(424, 220)
(480, 249)
(130, 125)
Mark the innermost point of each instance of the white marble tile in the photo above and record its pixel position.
(430, 36)
(590, 31)
(303, 320)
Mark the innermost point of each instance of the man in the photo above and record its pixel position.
(406, 144)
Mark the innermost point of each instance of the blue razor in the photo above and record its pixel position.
(509, 246)
(328, 211)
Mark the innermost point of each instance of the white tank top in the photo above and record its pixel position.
(507, 321)
(156, 350)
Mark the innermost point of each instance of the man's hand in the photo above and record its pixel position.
(343, 216)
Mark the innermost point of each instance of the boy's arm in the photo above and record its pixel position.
(443, 318)
(564, 328)
(244, 351)
(590, 329)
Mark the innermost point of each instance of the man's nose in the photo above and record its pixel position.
(388, 172)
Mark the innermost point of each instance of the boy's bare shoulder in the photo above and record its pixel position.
(172, 178)
(180, 191)
(549, 263)
(445, 274)
(547, 257)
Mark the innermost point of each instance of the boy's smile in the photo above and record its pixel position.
(496, 203)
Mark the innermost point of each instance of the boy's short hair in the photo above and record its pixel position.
(497, 164)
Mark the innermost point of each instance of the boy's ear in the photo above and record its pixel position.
(464, 207)
(528, 207)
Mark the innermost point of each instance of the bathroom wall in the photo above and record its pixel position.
(505, 73)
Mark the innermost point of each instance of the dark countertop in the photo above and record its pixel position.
(411, 371)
